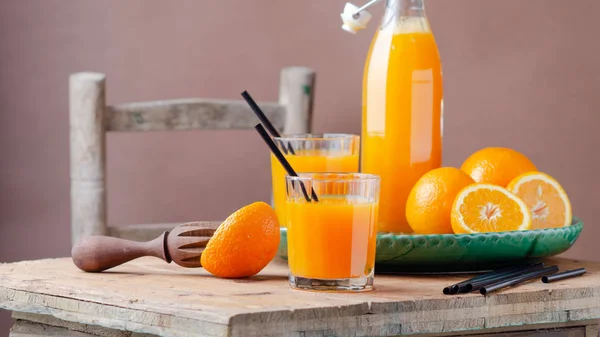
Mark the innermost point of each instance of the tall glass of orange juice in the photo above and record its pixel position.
(402, 108)
(330, 152)
(331, 242)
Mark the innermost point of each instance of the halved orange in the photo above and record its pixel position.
(482, 208)
(549, 204)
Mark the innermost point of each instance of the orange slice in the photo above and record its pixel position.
(549, 204)
(481, 208)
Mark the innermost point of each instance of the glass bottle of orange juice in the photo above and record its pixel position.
(402, 108)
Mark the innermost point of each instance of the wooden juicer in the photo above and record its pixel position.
(183, 245)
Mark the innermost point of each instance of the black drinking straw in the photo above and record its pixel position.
(286, 165)
(466, 286)
(563, 275)
(497, 276)
(455, 288)
(477, 285)
(518, 279)
(263, 119)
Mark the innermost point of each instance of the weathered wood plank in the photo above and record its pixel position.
(86, 329)
(565, 332)
(87, 154)
(152, 297)
(23, 328)
(30, 329)
(543, 327)
(185, 114)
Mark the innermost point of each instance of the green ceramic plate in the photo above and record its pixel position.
(464, 252)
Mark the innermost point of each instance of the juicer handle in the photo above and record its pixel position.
(98, 253)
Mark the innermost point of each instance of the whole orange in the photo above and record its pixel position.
(244, 243)
(429, 203)
(497, 165)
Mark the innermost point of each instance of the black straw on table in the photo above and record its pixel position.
(563, 275)
(454, 289)
(518, 279)
(286, 165)
(500, 275)
(477, 285)
(265, 121)
(466, 286)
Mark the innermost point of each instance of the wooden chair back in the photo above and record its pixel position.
(91, 118)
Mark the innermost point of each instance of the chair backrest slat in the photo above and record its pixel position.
(184, 114)
(90, 119)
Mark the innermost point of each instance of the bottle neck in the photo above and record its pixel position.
(405, 8)
(406, 16)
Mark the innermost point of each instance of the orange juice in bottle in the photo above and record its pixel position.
(402, 108)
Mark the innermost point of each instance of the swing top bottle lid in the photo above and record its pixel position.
(353, 21)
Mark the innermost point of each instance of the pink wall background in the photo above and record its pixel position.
(522, 74)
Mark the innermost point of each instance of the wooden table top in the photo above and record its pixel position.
(149, 296)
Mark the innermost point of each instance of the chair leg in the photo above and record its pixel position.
(87, 104)
(296, 93)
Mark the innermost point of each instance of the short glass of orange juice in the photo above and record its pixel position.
(330, 152)
(331, 242)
